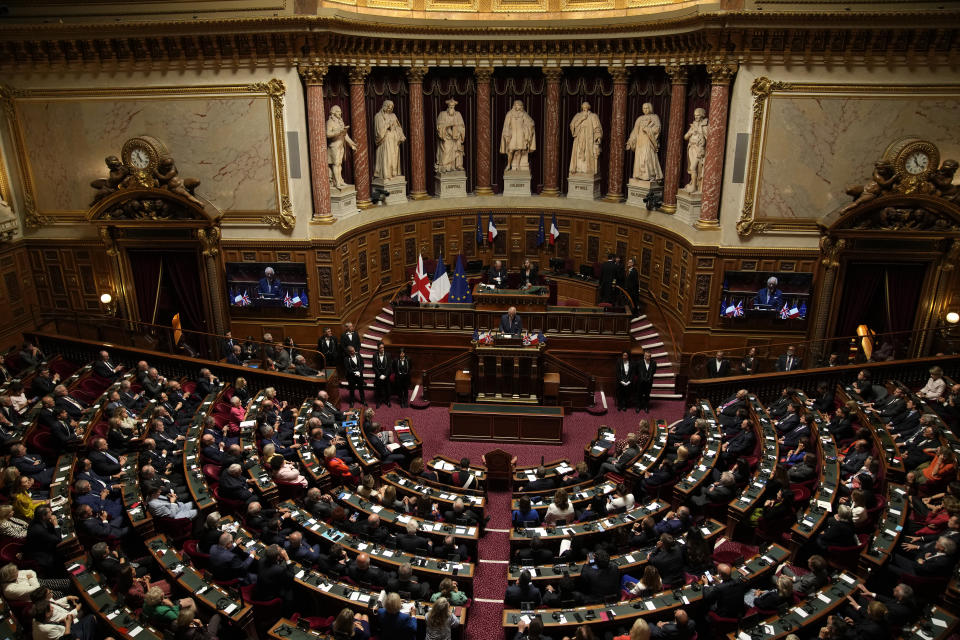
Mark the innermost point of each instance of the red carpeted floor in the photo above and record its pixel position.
(433, 426)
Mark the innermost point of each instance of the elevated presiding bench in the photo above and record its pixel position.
(506, 423)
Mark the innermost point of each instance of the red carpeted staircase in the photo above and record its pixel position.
(664, 385)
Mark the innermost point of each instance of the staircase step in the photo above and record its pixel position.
(665, 374)
(642, 316)
(649, 336)
(667, 396)
(387, 310)
(641, 327)
(368, 346)
(385, 320)
(651, 345)
(370, 337)
(663, 385)
(379, 329)
(659, 354)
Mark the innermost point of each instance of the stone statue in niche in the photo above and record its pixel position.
(105, 186)
(450, 136)
(644, 141)
(337, 137)
(517, 139)
(882, 181)
(696, 137)
(587, 136)
(169, 178)
(389, 135)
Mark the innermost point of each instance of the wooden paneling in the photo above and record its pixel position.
(71, 277)
(18, 292)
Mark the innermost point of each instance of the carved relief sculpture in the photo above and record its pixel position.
(587, 136)
(696, 137)
(337, 137)
(105, 186)
(169, 178)
(644, 141)
(881, 182)
(517, 139)
(450, 136)
(389, 135)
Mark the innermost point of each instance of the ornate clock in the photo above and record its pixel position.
(913, 160)
(142, 155)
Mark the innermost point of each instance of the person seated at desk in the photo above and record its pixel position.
(269, 286)
(497, 275)
(528, 275)
(510, 323)
(769, 296)
(228, 561)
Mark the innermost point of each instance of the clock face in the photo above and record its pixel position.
(917, 162)
(139, 158)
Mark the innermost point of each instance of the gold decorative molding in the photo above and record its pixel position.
(416, 74)
(763, 90)
(620, 75)
(483, 74)
(209, 238)
(274, 90)
(358, 73)
(721, 72)
(520, 6)
(313, 73)
(553, 74)
(678, 73)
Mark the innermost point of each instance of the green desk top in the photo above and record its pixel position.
(508, 409)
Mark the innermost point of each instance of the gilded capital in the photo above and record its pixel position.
(553, 74)
(313, 73)
(619, 74)
(677, 73)
(359, 73)
(483, 74)
(721, 72)
(416, 74)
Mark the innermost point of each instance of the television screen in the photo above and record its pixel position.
(267, 284)
(778, 295)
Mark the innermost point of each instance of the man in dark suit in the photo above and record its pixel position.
(803, 470)
(646, 370)
(626, 372)
(890, 406)
(62, 399)
(935, 564)
(536, 553)
(401, 382)
(43, 536)
(362, 573)
(382, 368)
(404, 582)
(461, 515)
(778, 408)
(107, 369)
(497, 275)
(329, 347)
(381, 450)
(908, 421)
(353, 367)
(274, 575)
(229, 562)
(234, 486)
(789, 421)
(686, 427)
(301, 368)
(608, 278)
(800, 433)
(523, 591)
(411, 541)
(854, 460)
(841, 424)
(63, 432)
(681, 628)
(863, 386)
(600, 581)
(920, 447)
(718, 366)
(726, 597)
(510, 322)
(542, 482)
(740, 444)
(30, 465)
(631, 284)
(44, 382)
(619, 465)
(769, 296)
(788, 361)
(269, 286)
(668, 559)
(227, 343)
(99, 526)
(727, 412)
(349, 338)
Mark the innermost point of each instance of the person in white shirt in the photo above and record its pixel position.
(560, 508)
(620, 499)
(935, 385)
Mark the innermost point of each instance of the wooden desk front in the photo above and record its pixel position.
(502, 299)
(504, 423)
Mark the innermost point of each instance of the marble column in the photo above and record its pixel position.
(358, 127)
(720, 75)
(484, 132)
(675, 131)
(418, 151)
(618, 132)
(317, 137)
(551, 134)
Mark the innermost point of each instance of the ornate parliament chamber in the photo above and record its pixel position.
(460, 319)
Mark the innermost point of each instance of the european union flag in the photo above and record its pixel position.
(541, 234)
(479, 231)
(460, 288)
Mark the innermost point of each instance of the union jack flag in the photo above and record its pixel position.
(287, 300)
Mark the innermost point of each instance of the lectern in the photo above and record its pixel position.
(508, 372)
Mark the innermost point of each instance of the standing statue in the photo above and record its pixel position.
(450, 135)
(645, 142)
(518, 138)
(587, 136)
(389, 135)
(336, 137)
(696, 136)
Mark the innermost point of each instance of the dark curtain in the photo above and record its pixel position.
(145, 266)
(183, 273)
(336, 92)
(506, 86)
(862, 288)
(698, 96)
(579, 86)
(388, 84)
(904, 282)
(439, 86)
(647, 84)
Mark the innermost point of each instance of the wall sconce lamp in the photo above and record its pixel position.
(952, 318)
(108, 304)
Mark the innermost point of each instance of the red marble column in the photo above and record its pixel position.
(484, 132)
(418, 152)
(551, 134)
(618, 131)
(317, 137)
(720, 75)
(358, 127)
(675, 131)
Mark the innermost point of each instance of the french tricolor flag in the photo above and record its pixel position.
(491, 229)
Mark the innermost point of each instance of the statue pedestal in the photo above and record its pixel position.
(451, 184)
(688, 206)
(516, 183)
(343, 201)
(637, 190)
(583, 187)
(396, 189)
